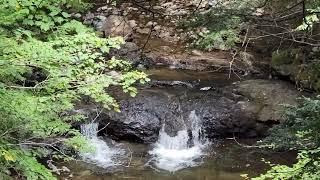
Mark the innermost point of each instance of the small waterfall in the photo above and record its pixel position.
(89, 130)
(103, 155)
(181, 151)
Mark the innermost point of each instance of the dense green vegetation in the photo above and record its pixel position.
(298, 132)
(49, 62)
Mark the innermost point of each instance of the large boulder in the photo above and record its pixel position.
(141, 117)
(116, 25)
(245, 109)
(111, 25)
(266, 98)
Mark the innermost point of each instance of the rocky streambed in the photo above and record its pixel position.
(150, 138)
(186, 122)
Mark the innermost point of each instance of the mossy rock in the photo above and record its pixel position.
(292, 64)
(309, 76)
(286, 57)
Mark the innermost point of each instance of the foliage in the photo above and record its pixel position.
(227, 21)
(223, 21)
(299, 132)
(307, 167)
(49, 62)
(224, 40)
(313, 8)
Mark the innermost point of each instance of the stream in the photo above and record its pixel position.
(182, 150)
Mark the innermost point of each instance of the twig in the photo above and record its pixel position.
(247, 146)
(98, 114)
(103, 127)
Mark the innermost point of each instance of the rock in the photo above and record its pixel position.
(168, 4)
(248, 59)
(206, 61)
(103, 8)
(115, 75)
(295, 65)
(316, 49)
(138, 120)
(250, 113)
(285, 63)
(157, 7)
(88, 19)
(196, 52)
(143, 31)
(132, 23)
(267, 98)
(205, 88)
(98, 23)
(180, 12)
(164, 34)
(132, 53)
(157, 28)
(166, 49)
(150, 23)
(115, 25)
(77, 15)
(101, 17)
(134, 9)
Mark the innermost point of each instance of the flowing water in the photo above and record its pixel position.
(186, 156)
(183, 155)
(223, 160)
(181, 151)
(102, 155)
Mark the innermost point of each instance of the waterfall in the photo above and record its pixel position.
(102, 155)
(181, 151)
(89, 130)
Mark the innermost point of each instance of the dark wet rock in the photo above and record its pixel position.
(141, 117)
(244, 109)
(132, 53)
(186, 84)
(256, 106)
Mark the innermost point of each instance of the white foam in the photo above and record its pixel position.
(103, 155)
(179, 152)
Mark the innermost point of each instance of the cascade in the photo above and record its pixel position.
(181, 151)
(103, 155)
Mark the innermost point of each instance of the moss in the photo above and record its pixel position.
(309, 76)
(290, 63)
(285, 57)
